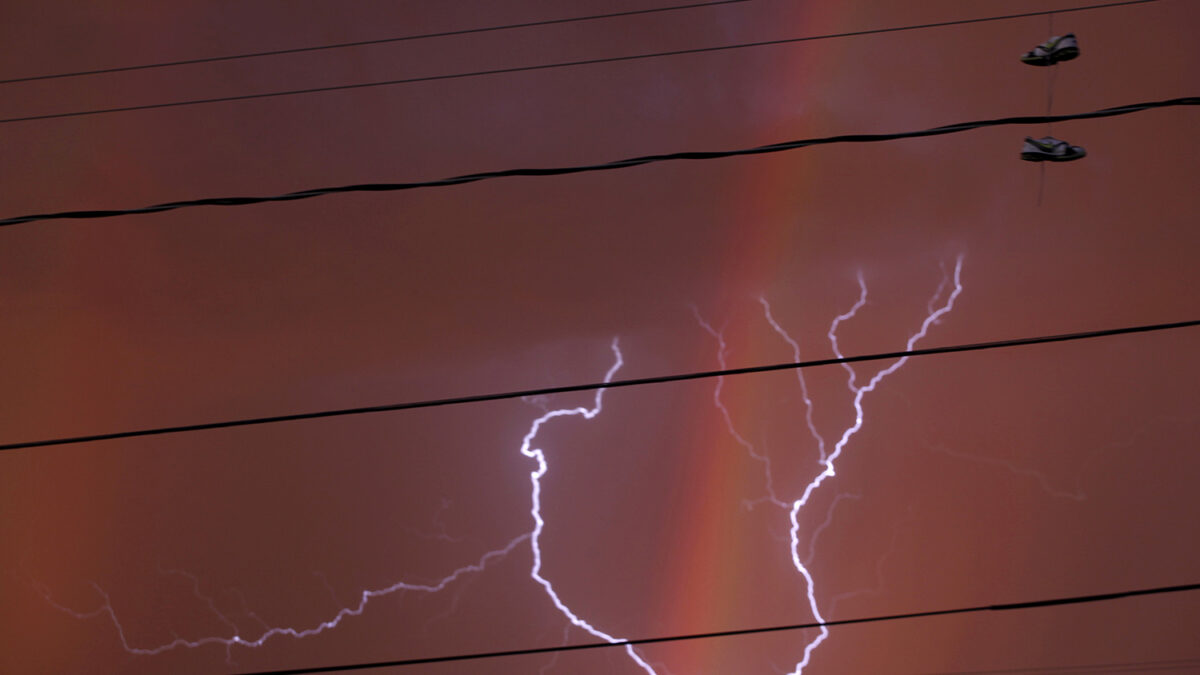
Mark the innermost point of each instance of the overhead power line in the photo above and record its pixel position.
(607, 166)
(561, 64)
(615, 384)
(1034, 604)
(364, 43)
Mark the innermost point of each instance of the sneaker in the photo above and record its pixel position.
(1050, 149)
(1052, 51)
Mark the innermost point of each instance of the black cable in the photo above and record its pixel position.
(1035, 604)
(619, 164)
(634, 382)
(548, 66)
(364, 43)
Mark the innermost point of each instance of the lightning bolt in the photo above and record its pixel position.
(764, 459)
(859, 393)
(1042, 481)
(879, 565)
(238, 639)
(827, 458)
(528, 448)
(535, 538)
(816, 533)
(808, 404)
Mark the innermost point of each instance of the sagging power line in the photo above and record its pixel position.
(549, 66)
(1004, 607)
(614, 384)
(365, 43)
(606, 166)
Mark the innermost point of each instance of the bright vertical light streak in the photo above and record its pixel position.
(827, 460)
(722, 351)
(238, 639)
(534, 537)
(859, 393)
(808, 404)
(535, 478)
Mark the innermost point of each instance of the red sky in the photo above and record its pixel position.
(976, 478)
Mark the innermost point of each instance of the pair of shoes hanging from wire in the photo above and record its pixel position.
(1050, 149)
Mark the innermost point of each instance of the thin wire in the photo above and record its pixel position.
(1050, 77)
(1041, 183)
(634, 382)
(1049, 125)
(1128, 667)
(364, 43)
(1035, 604)
(548, 66)
(619, 164)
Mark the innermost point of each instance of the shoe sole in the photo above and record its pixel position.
(1065, 55)
(1040, 157)
(1051, 59)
